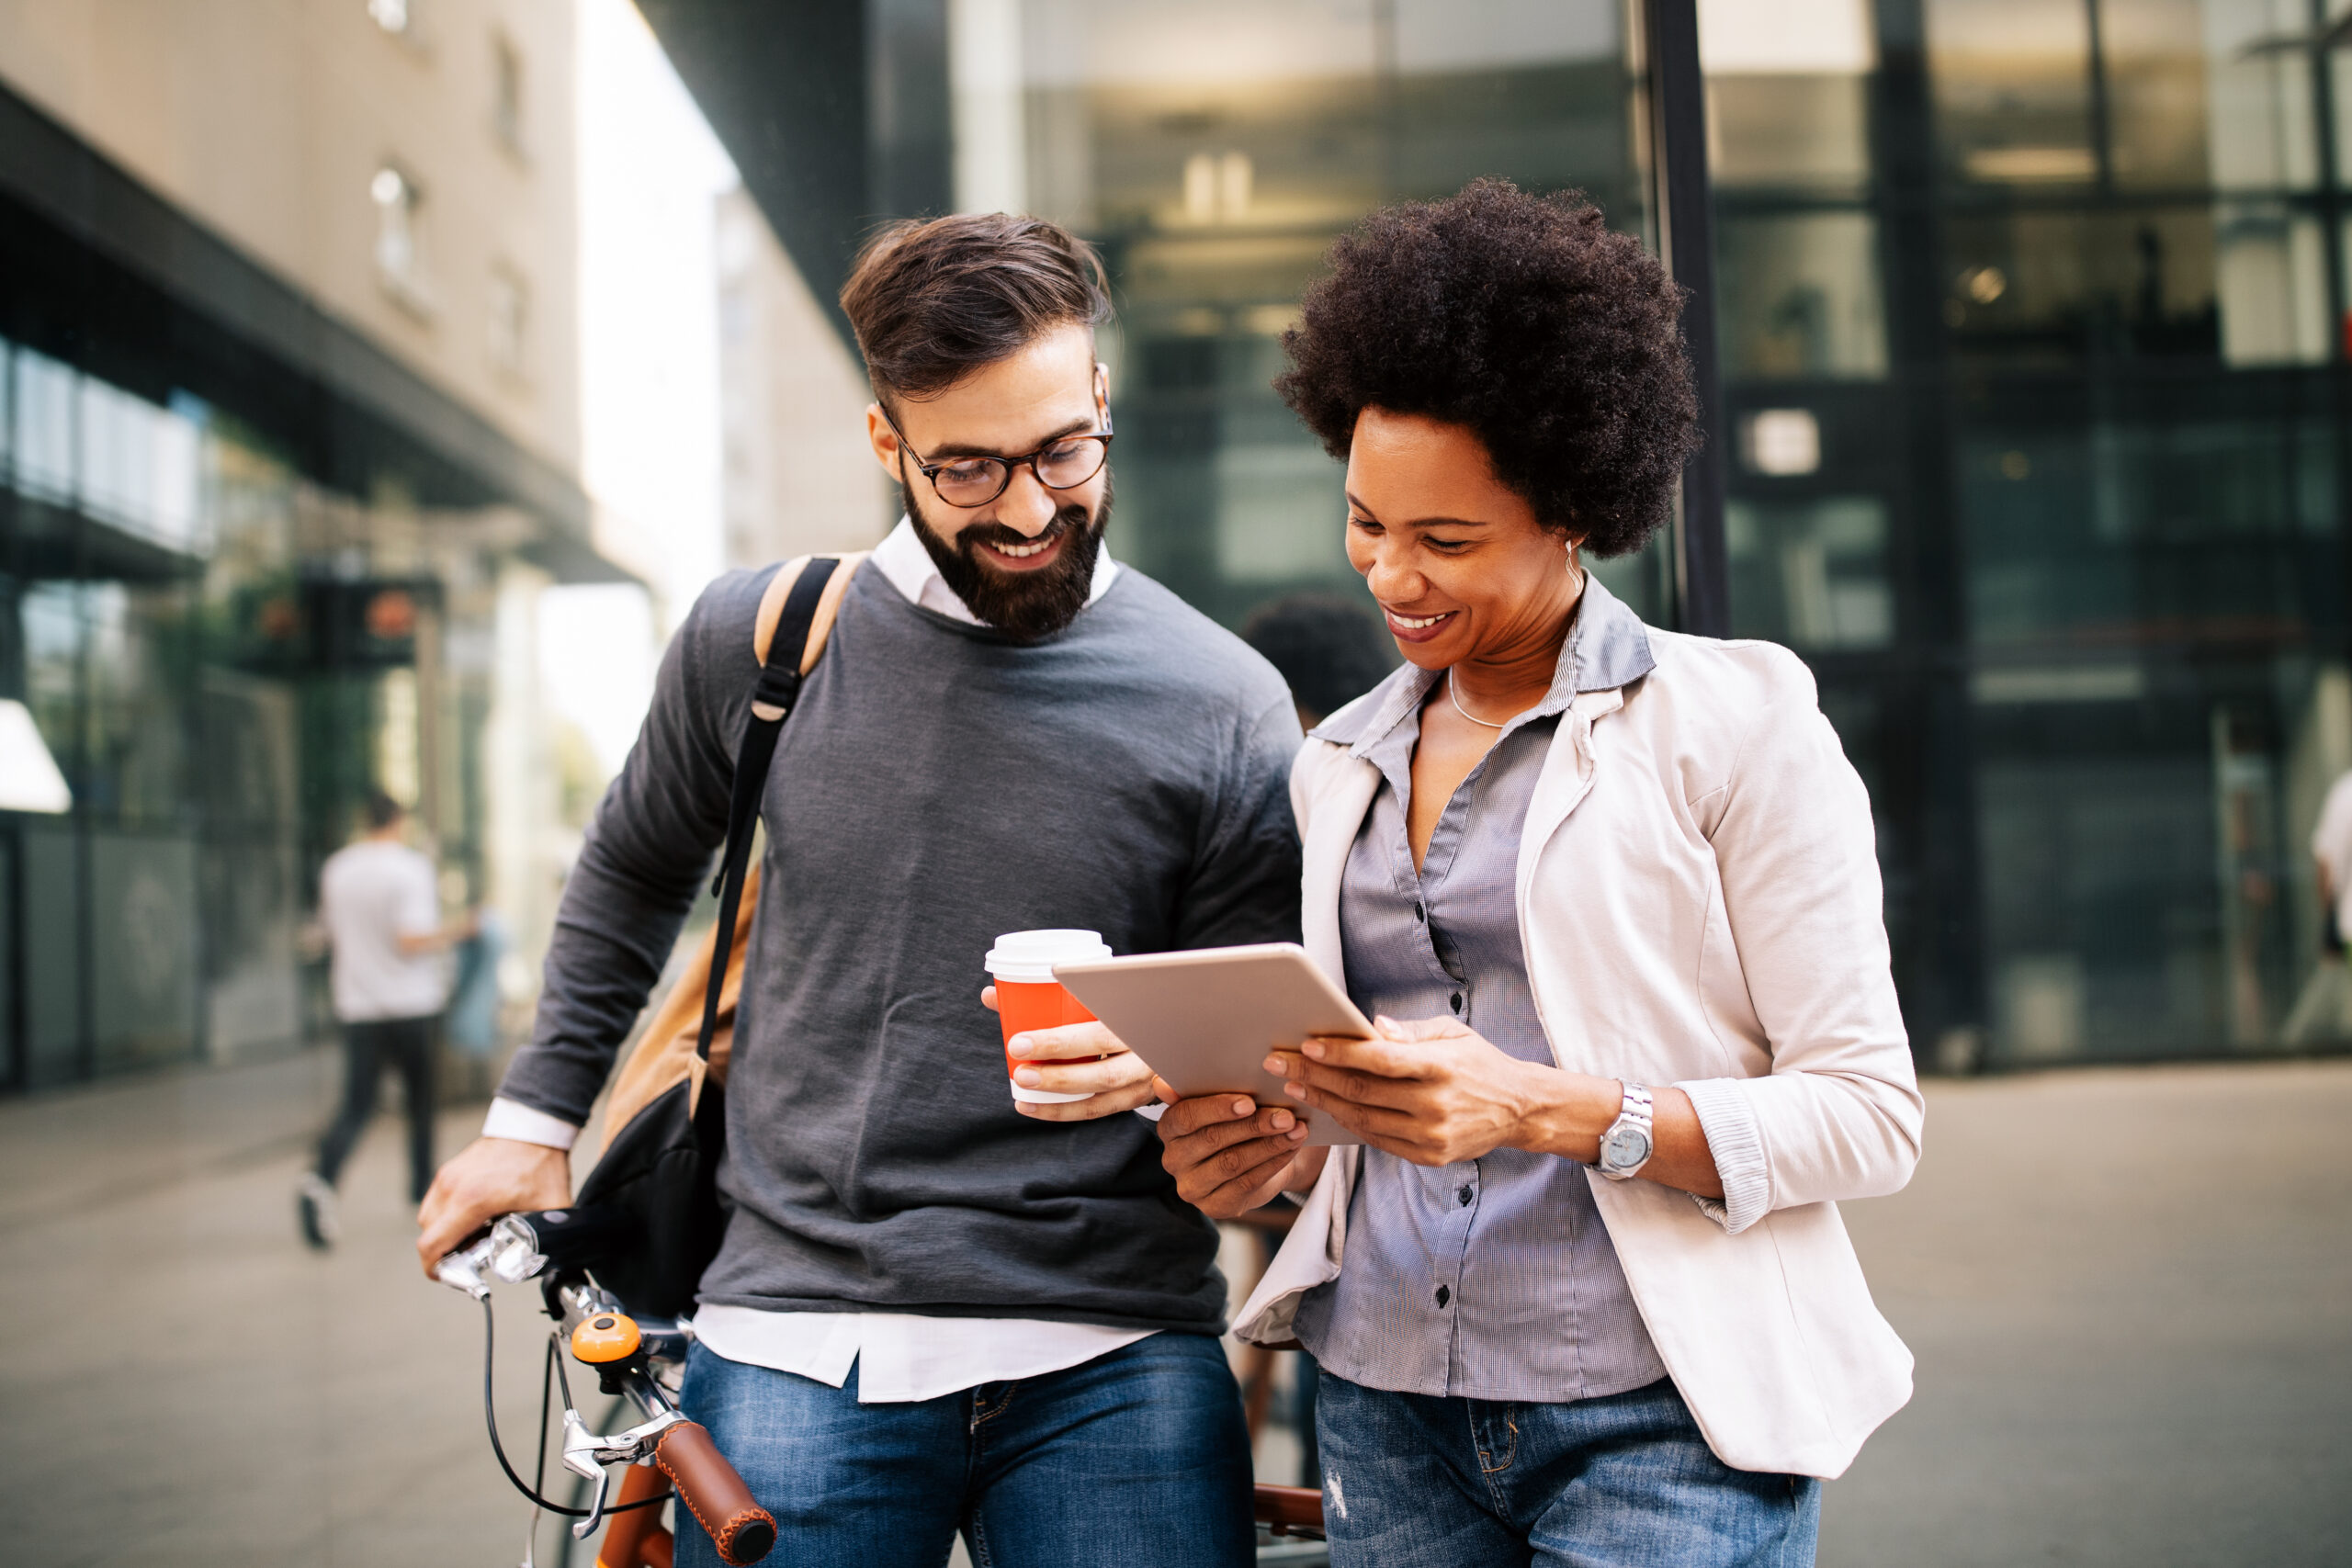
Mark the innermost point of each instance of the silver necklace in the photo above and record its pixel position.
(1462, 711)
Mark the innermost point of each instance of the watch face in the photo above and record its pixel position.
(1625, 1149)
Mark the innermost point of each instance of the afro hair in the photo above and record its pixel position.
(1527, 321)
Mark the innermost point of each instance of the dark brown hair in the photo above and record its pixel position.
(933, 300)
(1525, 319)
(381, 810)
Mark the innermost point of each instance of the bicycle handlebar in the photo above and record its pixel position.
(742, 1530)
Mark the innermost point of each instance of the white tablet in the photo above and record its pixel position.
(1206, 1018)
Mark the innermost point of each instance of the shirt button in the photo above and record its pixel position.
(1457, 1001)
(1443, 1295)
(1463, 1196)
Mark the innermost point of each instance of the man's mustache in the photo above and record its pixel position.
(1071, 518)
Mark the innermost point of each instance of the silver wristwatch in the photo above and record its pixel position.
(1625, 1147)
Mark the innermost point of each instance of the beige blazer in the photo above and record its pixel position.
(1698, 900)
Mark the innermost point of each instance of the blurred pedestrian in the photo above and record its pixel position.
(2324, 1012)
(382, 911)
(1329, 649)
(470, 1024)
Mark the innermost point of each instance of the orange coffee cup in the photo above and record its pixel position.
(1028, 996)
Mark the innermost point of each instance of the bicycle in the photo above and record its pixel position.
(640, 1361)
(636, 1360)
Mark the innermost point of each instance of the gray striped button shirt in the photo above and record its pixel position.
(1493, 1277)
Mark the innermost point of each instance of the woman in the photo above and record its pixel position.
(1610, 893)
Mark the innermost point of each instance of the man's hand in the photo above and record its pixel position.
(1118, 1082)
(1433, 1092)
(1229, 1156)
(490, 1178)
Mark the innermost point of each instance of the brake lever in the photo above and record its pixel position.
(586, 1455)
(581, 1448)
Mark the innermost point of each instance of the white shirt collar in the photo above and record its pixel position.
(901, 558)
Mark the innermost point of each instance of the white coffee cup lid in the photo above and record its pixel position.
(1027, 958)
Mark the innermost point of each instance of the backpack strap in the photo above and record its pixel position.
(799, 627)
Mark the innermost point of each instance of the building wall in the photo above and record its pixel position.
(800, 475)
(197, 533)
(269, 120)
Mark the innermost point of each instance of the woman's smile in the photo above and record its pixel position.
(1418, 628)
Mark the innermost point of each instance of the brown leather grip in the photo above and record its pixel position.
(1288, 1508)
(740, 1529)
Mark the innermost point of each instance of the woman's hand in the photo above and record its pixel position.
(1433, 1092)
(1230, 1155)
(1117, 1082)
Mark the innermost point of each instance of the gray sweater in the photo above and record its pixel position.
(938, 784)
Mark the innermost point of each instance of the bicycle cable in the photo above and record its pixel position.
(490, 1418)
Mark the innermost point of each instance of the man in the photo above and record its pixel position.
(381, 914)
(935, 1310)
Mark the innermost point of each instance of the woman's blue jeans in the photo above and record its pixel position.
(1413, 1481)
(1139, 1458)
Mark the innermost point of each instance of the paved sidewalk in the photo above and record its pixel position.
(202, 1389)
(2131, 1295)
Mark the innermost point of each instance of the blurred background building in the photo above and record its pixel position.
(288, 445)
(2030, 318)
(2031, 324)
(798, 474)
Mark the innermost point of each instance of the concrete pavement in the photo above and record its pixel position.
(2130, 1292)
(192, 1385)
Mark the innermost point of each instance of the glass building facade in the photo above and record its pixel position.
(251, 568)
(2032, 348)
(2030, 318)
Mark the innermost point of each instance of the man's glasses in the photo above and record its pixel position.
(1064, 463)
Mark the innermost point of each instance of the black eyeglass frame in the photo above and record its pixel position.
(930, 471)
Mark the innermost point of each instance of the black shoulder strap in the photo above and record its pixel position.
(771, 705)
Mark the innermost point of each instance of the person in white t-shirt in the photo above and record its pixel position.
(382, 911)
(2324, 1012)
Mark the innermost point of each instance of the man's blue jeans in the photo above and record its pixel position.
(1139, 1458)
(1412, 1481)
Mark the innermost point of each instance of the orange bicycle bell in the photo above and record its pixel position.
(605, 1338)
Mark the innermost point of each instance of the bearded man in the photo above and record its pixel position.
(936, 1310)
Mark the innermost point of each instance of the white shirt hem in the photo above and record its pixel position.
(903, 1357)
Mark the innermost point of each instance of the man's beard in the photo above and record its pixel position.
(1024, 605)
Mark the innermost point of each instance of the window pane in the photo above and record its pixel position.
(1788, 93)
(2269, 284)
(2012, 90)
(2153, 52)
(52, 952)
(143, 960)
(2113, 536)
(1811, 573)
(1799, 297)
(2258, 97)
(2056, 285)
